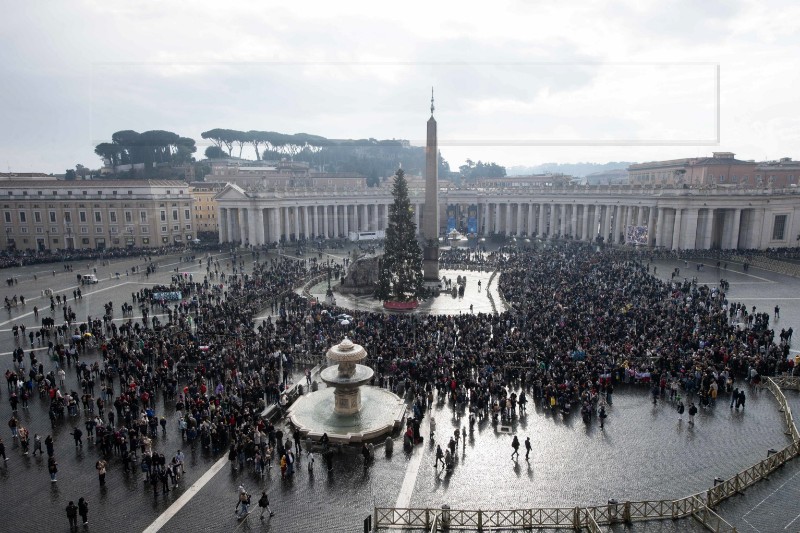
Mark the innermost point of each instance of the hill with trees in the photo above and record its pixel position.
(371, 157)
(152, 149)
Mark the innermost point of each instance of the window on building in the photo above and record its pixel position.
(186, 214)
(23, 217)
(97, 217)
(779, 228)
(85, 192)
(67, 217)
(84, 230)
(37, 217)
(39, 193)
(145, 229)
(163, 229)
(128, 217)
(112, 216)
(163, 216)
(82, 216)
(52, 217)
(143, 217)
(7, 217)
(174, 214)
(98, 229)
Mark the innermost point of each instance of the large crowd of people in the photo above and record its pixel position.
(580, 322)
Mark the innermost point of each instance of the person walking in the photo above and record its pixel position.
(527, 447)
(101, 471)
(515, 445)
(243, 503)
(77, 434)
(439, 456)
(72, 515)
(680, 411)
(37, 444)
(83, 510)
(602, 416)
(52, 467)
(263, 503)
(3, 451)
(692, 412)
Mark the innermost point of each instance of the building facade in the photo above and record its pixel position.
(664, 217)
(204, 208)
(722, 169)
(267, 175)
(57, 214)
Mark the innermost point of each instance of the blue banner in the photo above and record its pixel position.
(472, 225)
(451, 224)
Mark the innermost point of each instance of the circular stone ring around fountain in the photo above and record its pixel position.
(338, 410)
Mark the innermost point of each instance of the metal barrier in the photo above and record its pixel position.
(699, 506)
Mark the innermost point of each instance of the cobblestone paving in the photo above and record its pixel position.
(642, 454)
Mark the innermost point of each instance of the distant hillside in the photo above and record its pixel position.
(573, 169)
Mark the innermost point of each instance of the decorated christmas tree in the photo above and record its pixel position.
(400, 276)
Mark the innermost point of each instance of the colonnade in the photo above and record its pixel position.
(664, 218)
(259, 225)
(653, 225)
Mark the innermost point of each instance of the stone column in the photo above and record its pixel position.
(585, 234)
(596, 228)
(530, 220)
(607, 222)
(346, 219)
(519, 219)
(259, 225)
(287, 226)
(542, 214)
(223, 224)
(563, 223)
(325, 217)
(737, 219)
(676, 230)
(758, 226)
(660, 228)
(553, 220)
(574, 229)
(496, 228)
(689, 231)
(640, 217)
(231, 215)
(651, 225)
(306, 220)
(243, 225)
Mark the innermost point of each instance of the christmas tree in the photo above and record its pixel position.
(400, 277)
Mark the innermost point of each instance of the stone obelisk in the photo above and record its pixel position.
(430, 213)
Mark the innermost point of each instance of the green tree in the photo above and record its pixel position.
(400, 276)
(215, 152)
(70, 174)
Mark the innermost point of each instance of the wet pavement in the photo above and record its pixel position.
(643, 453)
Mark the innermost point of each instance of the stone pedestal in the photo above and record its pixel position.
(348, 401)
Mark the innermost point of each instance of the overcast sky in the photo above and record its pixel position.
(519, 83)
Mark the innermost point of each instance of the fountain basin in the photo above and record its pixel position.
(381, 413)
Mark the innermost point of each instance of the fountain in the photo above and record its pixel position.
(347, 410)
(347, 377)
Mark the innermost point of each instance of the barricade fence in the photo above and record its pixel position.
(699, 506)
